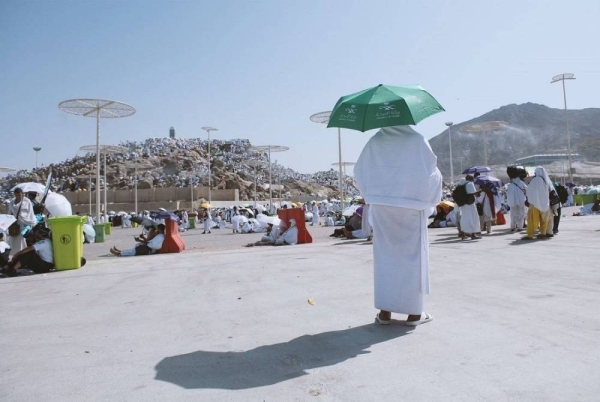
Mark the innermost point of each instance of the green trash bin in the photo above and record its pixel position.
(107, 228)
(192, 223)
(67, 241)
(99, 229)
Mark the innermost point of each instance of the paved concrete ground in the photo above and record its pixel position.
(514, 321)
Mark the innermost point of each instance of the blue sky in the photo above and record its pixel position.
(259, 69)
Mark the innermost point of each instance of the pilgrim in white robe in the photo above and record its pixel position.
(397, 175)
(515, 197)
(23, 211)
(315, 217)
(469, 218)
(538, 195)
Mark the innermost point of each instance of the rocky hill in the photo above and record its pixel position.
(533, 129)
(180, 162)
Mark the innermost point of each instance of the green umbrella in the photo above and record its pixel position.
(383, 106)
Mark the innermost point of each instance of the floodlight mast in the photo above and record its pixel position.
(557, 78)
(449, 124)
(37, 150)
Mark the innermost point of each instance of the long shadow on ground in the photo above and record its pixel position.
(271, 364)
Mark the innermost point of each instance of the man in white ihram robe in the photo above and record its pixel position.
(515, 197)
(397, 175)
(315, 212)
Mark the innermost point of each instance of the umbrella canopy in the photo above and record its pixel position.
(477, 169)
(383, 106)
(246, 210)
(350, 210)
(164, 215)
(205, 205)
(145, 222)
(30, 186)
(482, 180)
(58, 205)
(5, 221)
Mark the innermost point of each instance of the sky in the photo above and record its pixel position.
(260, 69)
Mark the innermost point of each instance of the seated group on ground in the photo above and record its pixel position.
(145, 245)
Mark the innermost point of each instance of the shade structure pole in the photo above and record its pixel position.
(340, 161)
(98, 167)
(90, 193)
(135, 181)
(192, 191)
(209, 189)
(270, 182)
(568, 133)
(105, 189)
(255, 183)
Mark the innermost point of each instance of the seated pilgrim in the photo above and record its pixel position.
(290, 236)
(149, 245)
(268, 238)
(39, 257)
(589, 209)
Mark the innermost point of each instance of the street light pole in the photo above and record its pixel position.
(449, 124)
(208, 130)
(36, 149)
(563, 77)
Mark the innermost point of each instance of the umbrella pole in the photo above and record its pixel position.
(340, 166)
(98, 166)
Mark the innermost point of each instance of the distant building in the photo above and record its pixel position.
(546, 159)
(172, 132)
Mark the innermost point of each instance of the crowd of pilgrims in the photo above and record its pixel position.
(535, 204)
(191, 156)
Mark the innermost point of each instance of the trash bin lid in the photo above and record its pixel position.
(66, 219)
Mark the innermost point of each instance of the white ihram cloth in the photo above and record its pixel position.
(23, 211)
(397, 176)
(539, 189)
(515, 197)
(315, 217)
(469, 218)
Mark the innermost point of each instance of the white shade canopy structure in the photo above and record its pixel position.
(140, 166)
(323, 118)
(485, 127)
(4, 169)
(268, 149)
(105, 150)
(97, 108)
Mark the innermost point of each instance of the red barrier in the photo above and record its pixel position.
(297, 214)
(173, 242)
